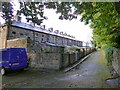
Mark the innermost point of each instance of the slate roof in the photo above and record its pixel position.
(1, 25)
(51, 44)
(38, 29)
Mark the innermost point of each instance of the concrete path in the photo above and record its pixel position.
(91, 73)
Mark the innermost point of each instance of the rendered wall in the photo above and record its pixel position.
(3, 36)
(19, 42)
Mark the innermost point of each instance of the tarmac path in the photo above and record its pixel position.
(91, 73)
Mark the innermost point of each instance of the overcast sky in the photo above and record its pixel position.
(74, 27)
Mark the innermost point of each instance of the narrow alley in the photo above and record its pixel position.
(91, 73)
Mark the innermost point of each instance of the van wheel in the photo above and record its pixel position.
(22, 69)
(2, 71)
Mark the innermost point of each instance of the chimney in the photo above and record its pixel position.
(43, 26)
(18, 18)
(56, 31)
(65, 34)
(61, 33)
(50, 29)
(68, 35)
(31, 23)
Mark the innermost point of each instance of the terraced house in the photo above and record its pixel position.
(41, 35)
(45, 47)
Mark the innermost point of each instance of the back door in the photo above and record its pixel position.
(4, 62)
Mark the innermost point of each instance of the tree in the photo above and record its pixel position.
(0, 6)
(117, 7)
(106, 24)
(34, 11)
(7, 12)
(64, 8)
(103, 16)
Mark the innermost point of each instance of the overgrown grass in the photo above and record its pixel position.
(109, 53)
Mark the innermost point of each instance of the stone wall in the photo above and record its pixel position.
(116, 61)
(44, 56)
(45, 60)
(71, 58)
(37, 36)
(41, 55)
(15, 32)
(48, 57)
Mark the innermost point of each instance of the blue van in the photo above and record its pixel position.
(13, 59)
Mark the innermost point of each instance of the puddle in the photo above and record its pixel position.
(69, 77)
(115, 81)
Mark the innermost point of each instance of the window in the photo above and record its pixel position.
(21, 34)
(26, 34)
(36, 38)
(54, 40)
(13, 32)
(29, 38)
(42, 40)
(48, 38)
